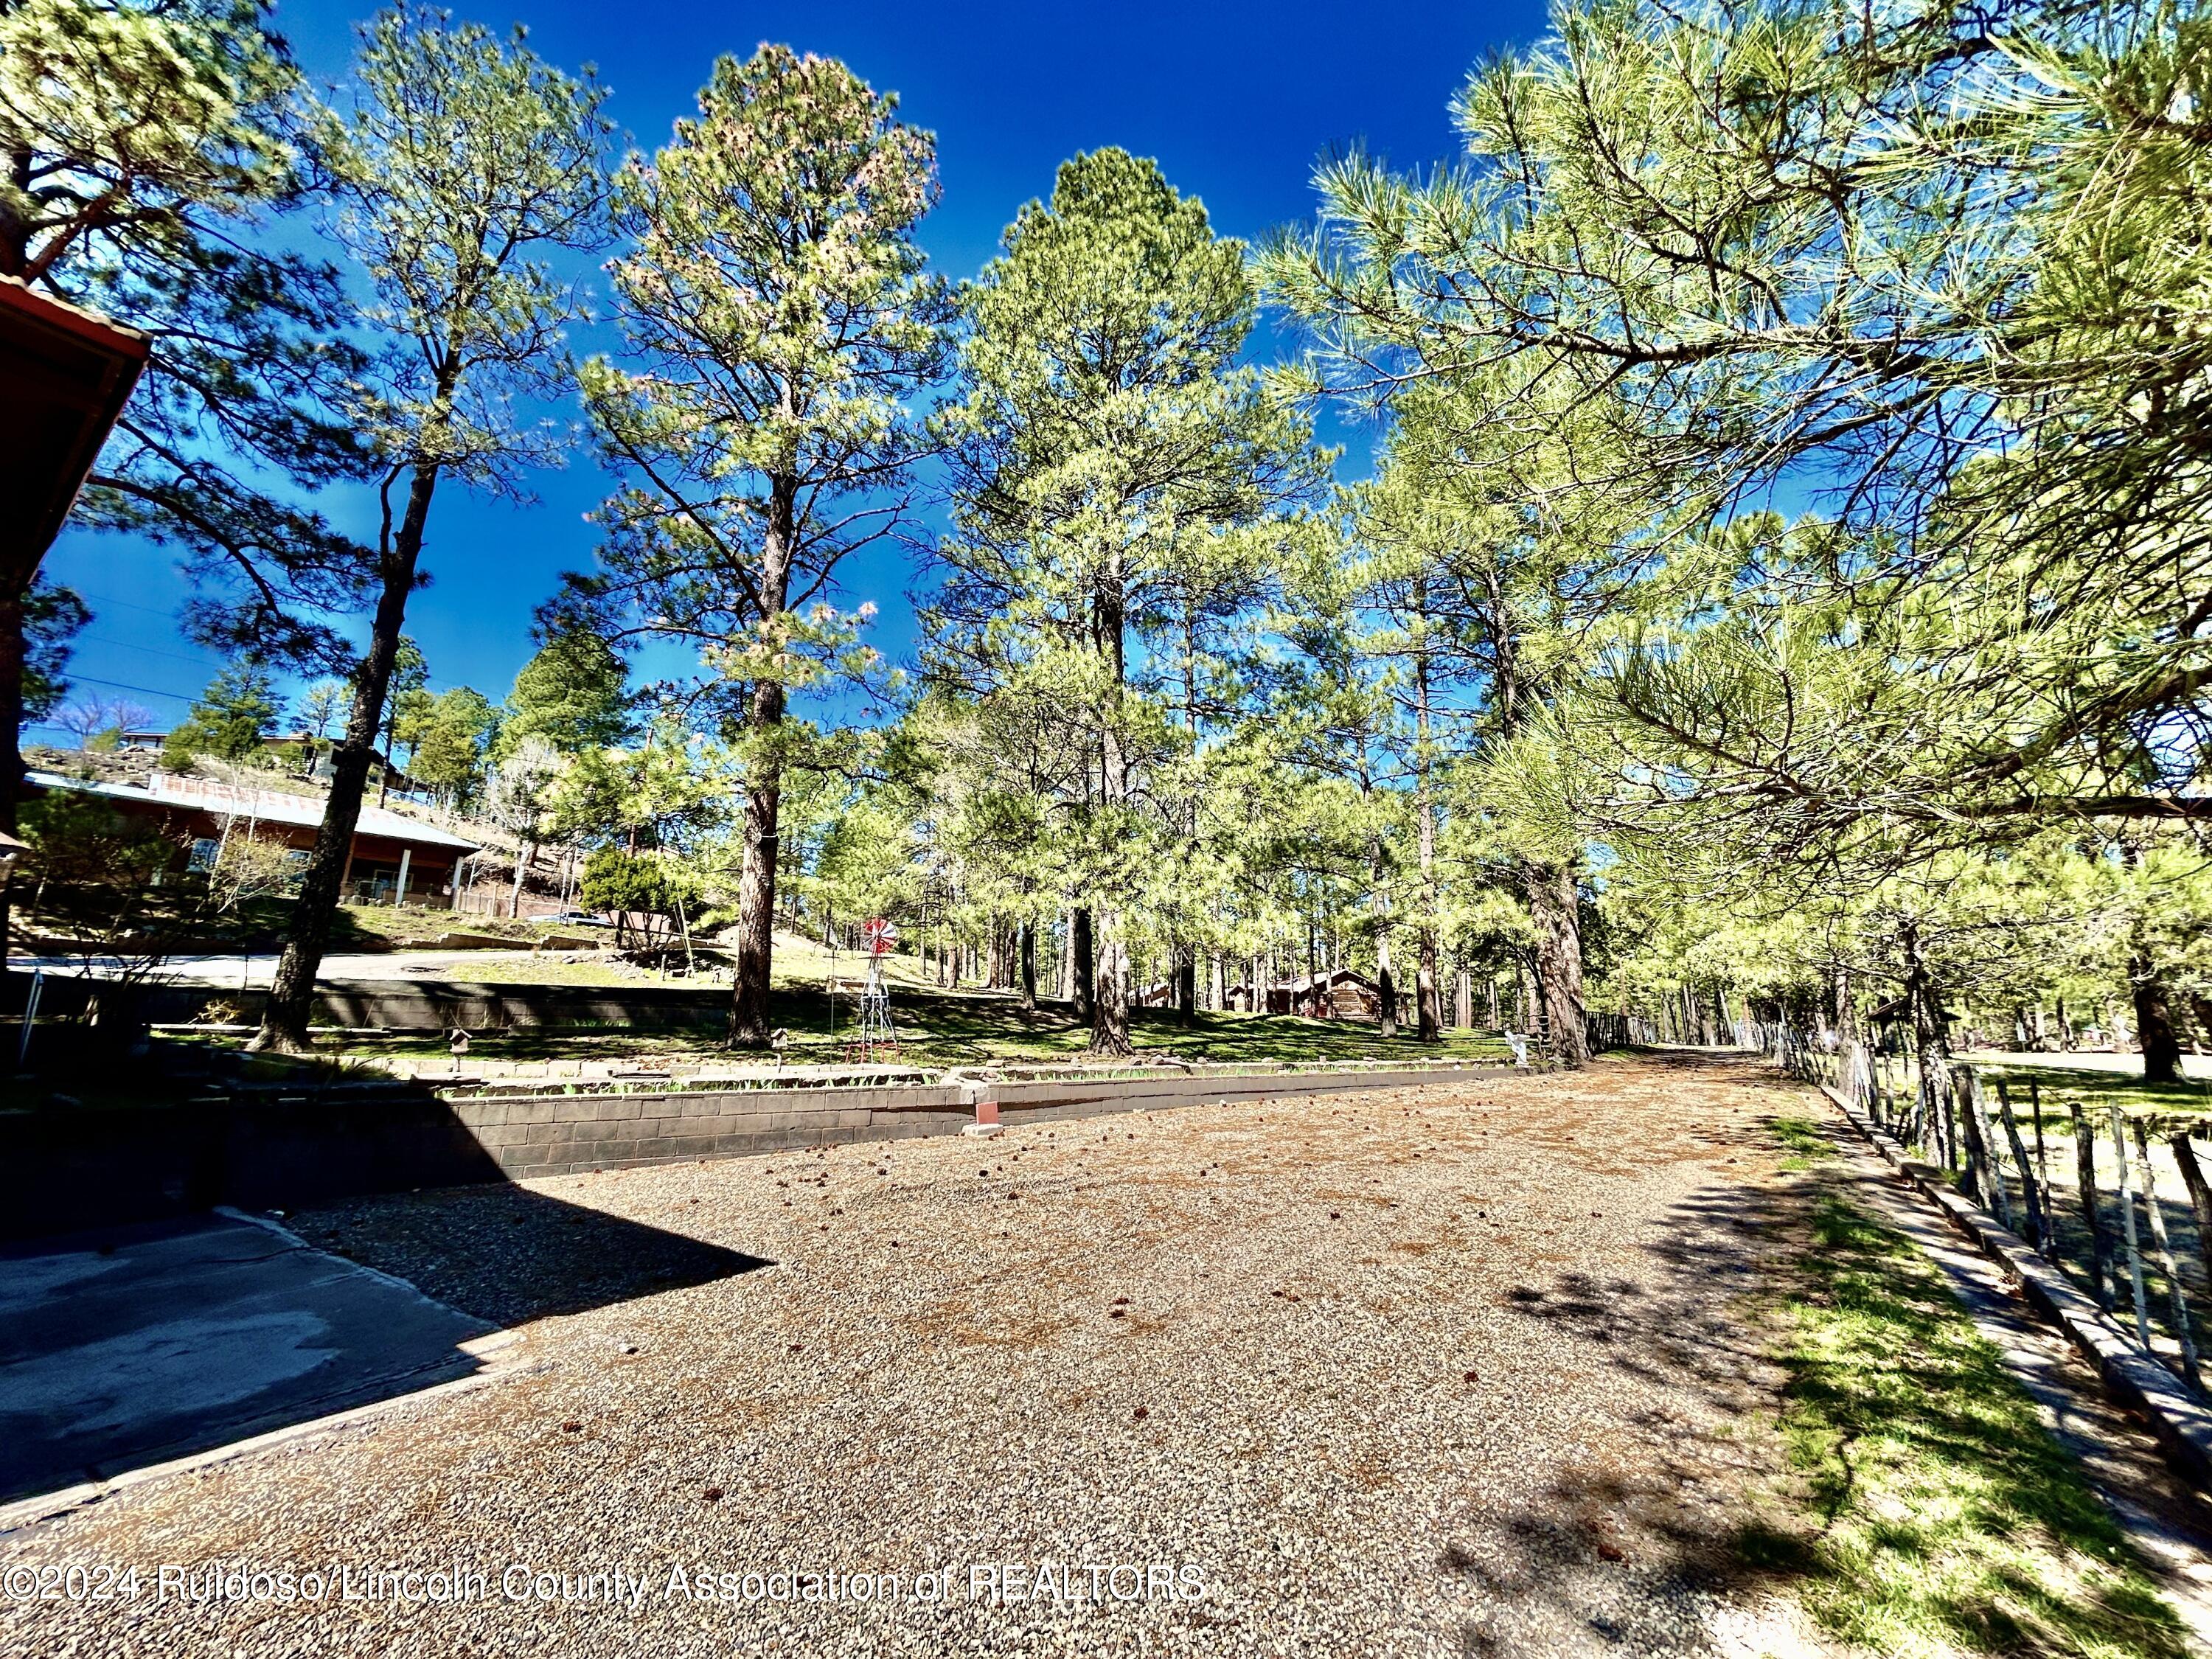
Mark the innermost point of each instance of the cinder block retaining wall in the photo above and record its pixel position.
(62, 1169)
(441, 1004)
(560, 1134)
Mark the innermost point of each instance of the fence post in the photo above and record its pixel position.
(2177, 1300)
(2200, 1195)
(2042, 1164)
(2085, 1182)
(2032, 1190)
(1984, 1172)
(30, 1014)
(2128, 1228)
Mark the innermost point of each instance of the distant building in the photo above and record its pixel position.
(1341, 994)
(394, 859)
(290, 746)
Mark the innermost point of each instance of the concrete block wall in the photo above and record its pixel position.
(62, 1169)
(528, 1136)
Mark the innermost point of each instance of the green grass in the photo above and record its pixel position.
(1802, 1141)
(2093, 1087)
(504, 967)
(419, 928)
(1939, 1517)
(970, 1028)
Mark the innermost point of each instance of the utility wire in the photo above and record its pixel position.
(118, 685)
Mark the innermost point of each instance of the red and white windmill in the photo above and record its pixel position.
(879, 938)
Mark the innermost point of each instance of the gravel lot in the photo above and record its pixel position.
(1467, 1369)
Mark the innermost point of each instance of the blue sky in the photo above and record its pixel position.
(1236, 101)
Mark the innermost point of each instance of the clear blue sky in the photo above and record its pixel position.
(1236, 101)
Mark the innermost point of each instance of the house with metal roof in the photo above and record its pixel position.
(395, 859)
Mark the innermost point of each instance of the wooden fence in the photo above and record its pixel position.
(2111, 1230)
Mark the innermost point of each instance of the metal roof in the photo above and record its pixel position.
(272, 805)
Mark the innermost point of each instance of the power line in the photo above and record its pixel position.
(118, 685)
(129, 605)
(151, 651)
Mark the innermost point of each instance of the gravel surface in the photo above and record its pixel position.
(1467, 1370)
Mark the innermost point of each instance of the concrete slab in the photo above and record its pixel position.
(134, 1346)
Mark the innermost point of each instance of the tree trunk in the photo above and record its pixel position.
(1428, 1014)
(1932, 1046)
(1029, 966)
(1110, 993)
(1109, 1002)
(11, 694)
(11, 721)
(292, 993)
(1187, 984)
(521, 874)
(1553, 907)
(749, 991)
(749, 1024)
(2161, 1048)
(1084, 964)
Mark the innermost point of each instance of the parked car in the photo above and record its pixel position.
(580, 919)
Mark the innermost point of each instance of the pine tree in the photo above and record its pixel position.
(452, 749)
(776, 313)
(142, 148)
(572, 693)
(1105, 439)
(461, 163)
(232, 718)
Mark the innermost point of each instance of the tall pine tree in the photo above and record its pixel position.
(1104, 439)
(777, 314)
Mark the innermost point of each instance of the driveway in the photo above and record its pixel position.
(133, 1347)
(1465, 1369)
(253, 973)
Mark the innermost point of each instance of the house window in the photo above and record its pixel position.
(203, 853)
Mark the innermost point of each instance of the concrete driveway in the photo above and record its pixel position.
(135, 1346)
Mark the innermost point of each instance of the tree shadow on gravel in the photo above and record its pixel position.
(509, 1254)
(1907, 1494)
(1636, 1556)
(1681, 1330)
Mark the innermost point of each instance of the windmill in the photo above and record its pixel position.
(879, 939)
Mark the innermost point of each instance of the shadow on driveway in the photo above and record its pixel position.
(134, 1346)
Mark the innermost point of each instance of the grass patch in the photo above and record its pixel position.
(1942, 1518)
(503, 967)
(2095, 1089)
(1802, 1142)
(971, 1028)
(367, 927)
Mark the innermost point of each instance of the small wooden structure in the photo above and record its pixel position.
(1337, 993)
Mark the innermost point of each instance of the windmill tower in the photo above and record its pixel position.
(876, 1033)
